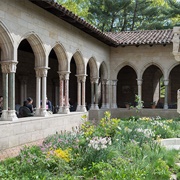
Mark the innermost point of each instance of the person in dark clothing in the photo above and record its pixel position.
(29, 105)
(49, 105)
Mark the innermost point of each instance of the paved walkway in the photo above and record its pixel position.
(13, 152)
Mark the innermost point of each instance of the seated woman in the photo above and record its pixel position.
(29, 104)
(26, 110)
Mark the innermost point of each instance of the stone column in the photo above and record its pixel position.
(8, 70)
(103, 85)
(96, 93)
(41, 76)
(178, 101)
(23, 90)
(139, 83)
(78, 93)
(5, 97)
(61, 93)
(66, 108)
(83, 109)
(114, 96)
(107, 94)
(44, 91)
(38, 93)
(166, 82)
(92, 94)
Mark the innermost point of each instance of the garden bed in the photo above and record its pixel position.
(123, 149)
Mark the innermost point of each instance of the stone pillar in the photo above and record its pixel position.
(107, 94)
(114, 95)
(83, 107)
(78, 93)
(96, 93)
(41, 76)
(66, 108)
(81, 104)
(92, 94)
(8, 70)
(103, 88)
(139, 83)
(61, 93)
(23, 90)
(44, 95)
(178, 101)
(166, 82)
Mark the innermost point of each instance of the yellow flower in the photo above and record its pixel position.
(63, 154)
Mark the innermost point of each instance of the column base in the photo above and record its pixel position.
(61, 110)
(78, 109)
(66, 110)
(114, 106)
(165, 106)
(83, 109)
(103, 106)
(91, 107)
(9, 115)
(38, 112)
(96, 107)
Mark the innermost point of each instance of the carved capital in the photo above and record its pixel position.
(166, 82)
(104, 81)
(63, 75)
(41, 71)
(139, 82)
(81, 78)
(8, 66)
(114, 82)
(94, 80)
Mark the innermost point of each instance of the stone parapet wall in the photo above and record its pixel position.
(26, 130)
(125, 113)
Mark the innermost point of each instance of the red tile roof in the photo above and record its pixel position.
(142, 37)
(125, 38)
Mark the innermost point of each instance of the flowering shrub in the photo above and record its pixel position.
(99, 143)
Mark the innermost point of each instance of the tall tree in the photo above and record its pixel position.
(126, 15)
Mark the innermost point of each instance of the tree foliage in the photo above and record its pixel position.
(126, 15)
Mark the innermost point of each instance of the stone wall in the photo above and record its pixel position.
(30, 129)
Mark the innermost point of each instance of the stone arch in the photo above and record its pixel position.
(6, 43)
(37, 47)
(148, 65)
(152, 75)
(93, 67)
(126, 85)
(120, 66)
(104, 70)
(171, 68)
(62, 56)
(79, 63)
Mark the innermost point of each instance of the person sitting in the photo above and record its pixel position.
(24, 111)
(29, 104)
(49, 105)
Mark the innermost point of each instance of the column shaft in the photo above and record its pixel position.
(5, 91)
(12, 91)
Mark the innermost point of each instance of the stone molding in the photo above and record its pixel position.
(41, 71)
(8, 66)
(94, 80)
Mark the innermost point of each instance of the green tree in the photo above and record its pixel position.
(126, 15)
(78, 7)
